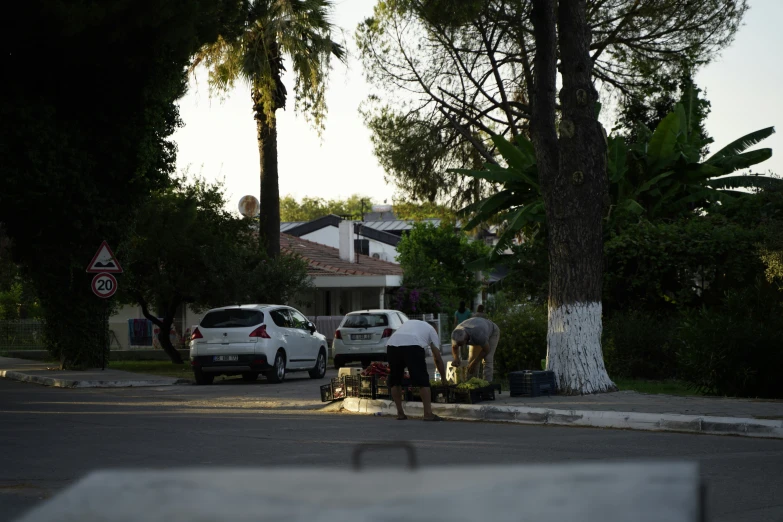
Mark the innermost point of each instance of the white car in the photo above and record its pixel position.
(362, 336)
(249, 340)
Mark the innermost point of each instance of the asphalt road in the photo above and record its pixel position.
(52, 437)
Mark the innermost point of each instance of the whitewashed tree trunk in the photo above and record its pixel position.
(574, 349)
(574, 185)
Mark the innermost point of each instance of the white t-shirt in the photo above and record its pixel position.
(414, 333)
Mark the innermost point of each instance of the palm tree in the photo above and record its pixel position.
(275, 29)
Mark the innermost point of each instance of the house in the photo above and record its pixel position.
(344, 279)
(377, 238)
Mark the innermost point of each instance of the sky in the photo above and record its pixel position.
(218, 140)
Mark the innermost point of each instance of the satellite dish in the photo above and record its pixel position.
(249, 206)
(381, 208)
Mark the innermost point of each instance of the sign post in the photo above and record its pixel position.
(104, 285)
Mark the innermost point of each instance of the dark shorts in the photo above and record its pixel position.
(411, 357)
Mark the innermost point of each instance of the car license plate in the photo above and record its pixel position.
(361, 337)
(225, 358)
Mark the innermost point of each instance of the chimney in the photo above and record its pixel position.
(346, 241)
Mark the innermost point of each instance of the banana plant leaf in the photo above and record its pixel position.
(741, 145)
(746, 181)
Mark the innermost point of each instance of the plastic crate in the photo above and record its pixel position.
(461, 396)
(326, 393)
(382, 389)
(374, 387)
(351, 385)
(338, 389)
(440, 394)
(532, 383)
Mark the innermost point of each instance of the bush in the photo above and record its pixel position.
(522, 342)
(736, 349)
(639, 345)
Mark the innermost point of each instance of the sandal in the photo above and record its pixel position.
(434, 418)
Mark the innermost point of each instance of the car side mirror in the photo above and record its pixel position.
(311, 327)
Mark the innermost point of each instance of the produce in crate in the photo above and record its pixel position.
(377, 368)
(473, 384)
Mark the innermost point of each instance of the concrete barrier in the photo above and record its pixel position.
(747, 427)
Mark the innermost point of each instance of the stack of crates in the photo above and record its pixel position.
(334, 390)
(532, 384)
(374, 387)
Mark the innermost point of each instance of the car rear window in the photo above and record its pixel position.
(232, 318)
(366, 320)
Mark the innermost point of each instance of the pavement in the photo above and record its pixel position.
(53, 437)
(619, 410)
(48, 374)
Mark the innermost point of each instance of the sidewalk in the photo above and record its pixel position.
(48, 374)
(619, 410)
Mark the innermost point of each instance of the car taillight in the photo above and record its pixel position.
(260, 332)
(387, 333)
(337, 334)
(196, 335)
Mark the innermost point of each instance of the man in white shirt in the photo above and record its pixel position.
(406, 349)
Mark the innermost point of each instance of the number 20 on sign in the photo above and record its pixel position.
(104, 285)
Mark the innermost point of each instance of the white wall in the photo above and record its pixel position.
(329, 236)
(387, 252)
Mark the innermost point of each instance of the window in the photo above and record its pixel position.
(280, 317)
(298, 320)
(232, 318)
(365, 320)
(362, 246)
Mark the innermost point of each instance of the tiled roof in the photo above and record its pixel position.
(325, 260)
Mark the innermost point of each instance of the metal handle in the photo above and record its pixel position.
(413, 462)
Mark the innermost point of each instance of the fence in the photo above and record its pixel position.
(438, 321)
(28, 334)
(21, 334)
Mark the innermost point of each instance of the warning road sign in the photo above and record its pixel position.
(104, 285)
(104, 261)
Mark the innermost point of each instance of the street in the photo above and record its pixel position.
(52, 437)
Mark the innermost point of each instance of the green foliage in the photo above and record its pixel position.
(298, 29)
(186, 248)
(473, 384)
(528, 272)
(311, 208)
(518, 205)
(523, 333)
(433, 261)
(416, 154)
(77, 160)
(640, 345)
(659, 177)
(735, 349)
(449, 75)
(686, 263)
(646, 107)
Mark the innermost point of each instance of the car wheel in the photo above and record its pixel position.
(338, 363)
(319, 370)
(277, 373)
(202, 378)
(249, 376)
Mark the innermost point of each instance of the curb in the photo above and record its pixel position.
(761, 428)
(65, 383)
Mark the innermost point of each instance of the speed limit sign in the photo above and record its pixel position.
(104, 285)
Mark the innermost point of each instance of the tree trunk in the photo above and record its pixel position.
(269, 219)
(165, 328)
(574, 186)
